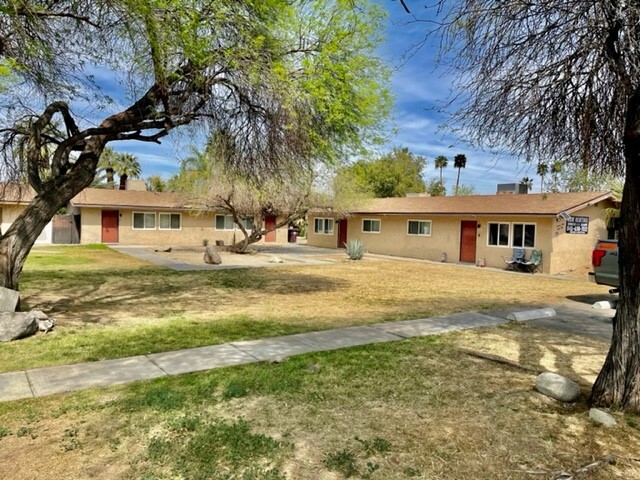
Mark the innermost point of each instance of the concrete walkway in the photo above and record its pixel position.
(572, 317)
(67, 378)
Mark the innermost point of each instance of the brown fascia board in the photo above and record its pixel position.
(572, 209)
(589, 203)
(457, 214)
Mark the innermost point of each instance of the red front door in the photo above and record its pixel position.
(342, 233)
(270, 225)
(110, 226)
(468, 230)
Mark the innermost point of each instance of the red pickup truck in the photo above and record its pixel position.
(604, 260)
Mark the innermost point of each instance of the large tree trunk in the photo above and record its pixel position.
(618, 384)
(16, 243)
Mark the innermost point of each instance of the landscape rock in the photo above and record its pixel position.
(211, 256)
(557, 387)
(276, 259)
(603, 418)
(8, 299)
(15, 325)
(45, 323)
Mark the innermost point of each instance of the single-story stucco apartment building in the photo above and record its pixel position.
(476, 229)
(136, 217)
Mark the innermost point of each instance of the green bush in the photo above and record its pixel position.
(355, 249)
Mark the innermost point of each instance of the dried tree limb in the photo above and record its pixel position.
(500, 360)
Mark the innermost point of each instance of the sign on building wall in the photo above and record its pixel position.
(578, 225)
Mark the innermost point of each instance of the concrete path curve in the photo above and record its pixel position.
(574, 319)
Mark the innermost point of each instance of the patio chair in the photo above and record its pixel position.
(533, 263)
(516, 259)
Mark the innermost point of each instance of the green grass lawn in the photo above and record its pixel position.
(421, 408)
(110, 305)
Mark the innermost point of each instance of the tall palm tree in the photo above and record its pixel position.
(441, 162)
(542, 170)
(527, 182)
(126, 165)
(459, 162)
(107, 160)
(616, 186)
(556, 168)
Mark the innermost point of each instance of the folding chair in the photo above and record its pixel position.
(533, 263)
(515, 260)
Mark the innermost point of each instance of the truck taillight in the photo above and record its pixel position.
(596, 257)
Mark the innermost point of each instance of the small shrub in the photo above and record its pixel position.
(205, 242)
(343, 462)
(355, 249)
(234, 390)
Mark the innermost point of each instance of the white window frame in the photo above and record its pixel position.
(234, 226)
(372, 220)
(144, 223)
(510, 237)
(419, 234)
(160, 214)
(498, 237)
(524, 225)
(324, 230)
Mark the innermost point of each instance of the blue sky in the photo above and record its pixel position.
(419, 89)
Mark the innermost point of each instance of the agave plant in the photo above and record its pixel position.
(355, 249)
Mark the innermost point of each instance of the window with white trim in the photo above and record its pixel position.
(144, 221)
(419, 227)
(516, 235)
(523, 235)
(370, 225)
(225, 222)
(498, 235)
(169, 221)
(323, 226)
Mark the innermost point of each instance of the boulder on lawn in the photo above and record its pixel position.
(45, 323)
(558, 387)
(603, 418)
(8, 299)
(211, 256)
(16, 325)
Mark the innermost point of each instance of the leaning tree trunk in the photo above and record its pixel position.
(618, 384)
(16, 243)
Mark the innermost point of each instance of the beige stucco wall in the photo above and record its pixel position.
(572, 252)
(494, 255)
(10, 212)
(194, 229)
(394, 240)
(321, 239)
(561, 252)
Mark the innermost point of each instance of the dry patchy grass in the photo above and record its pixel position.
(421, 408)
(109, 305)
(113, 288)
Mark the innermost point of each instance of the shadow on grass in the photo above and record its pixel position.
(592, 298)
(92, 294)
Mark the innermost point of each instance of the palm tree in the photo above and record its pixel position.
(542, 170)
(126, 165)
(459, 162)
(556, 168)
(527, 183)
(107, 160)
(441, 162)
(615, 185)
